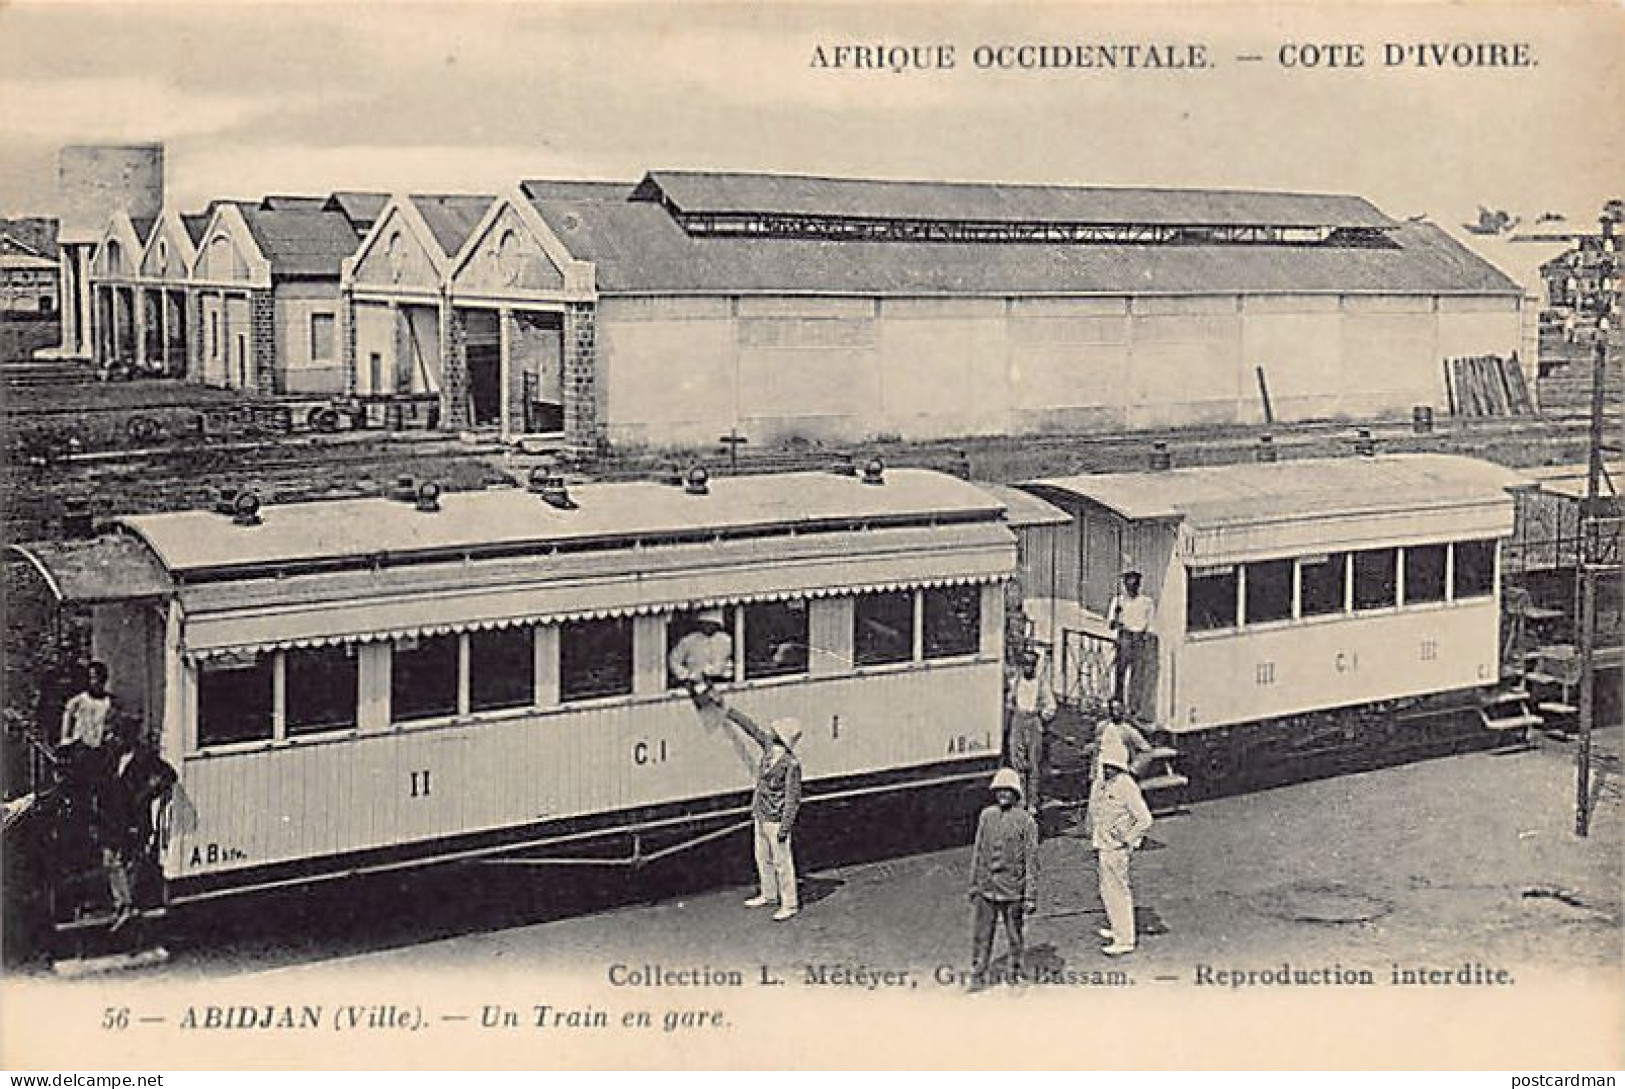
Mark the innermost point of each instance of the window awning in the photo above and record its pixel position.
(97, 571)
(320, 610)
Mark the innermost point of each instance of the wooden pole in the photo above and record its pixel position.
(1264, 394)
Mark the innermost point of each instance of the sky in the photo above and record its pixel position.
(285, 97)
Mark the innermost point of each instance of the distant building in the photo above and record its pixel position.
(29, 284)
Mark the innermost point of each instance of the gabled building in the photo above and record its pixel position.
(401, 321)
(119, 314)
(693, 304)
(165, 290)
(267, 284)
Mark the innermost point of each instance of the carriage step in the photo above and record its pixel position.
(1541, 678)
(1552, 707)
(101, 920)
(1512, 722)
(1172, 781)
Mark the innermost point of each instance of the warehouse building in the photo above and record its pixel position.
(693, 304)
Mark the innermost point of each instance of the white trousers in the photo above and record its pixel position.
(775, 865)
(1116, 894)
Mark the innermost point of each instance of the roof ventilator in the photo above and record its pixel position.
(428, 497)
(1364, 445)
(843, 465)
(1161, 459)
(1266, 449)
(548, 485)
(874, 471)
(698, 482)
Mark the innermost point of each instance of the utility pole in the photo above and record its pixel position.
(1592, 552)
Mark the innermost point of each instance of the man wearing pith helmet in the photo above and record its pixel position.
(1003, 875)
(1118, 829)
(774, 808)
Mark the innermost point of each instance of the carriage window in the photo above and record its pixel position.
(1269, 591)
(321, 689)
(595, 659)
(423, 678)
(1321, 584)
(501, 669)
(883, 628)
(234, 700)
(681, 625)
(1376, 578)
(1424, 573)
(1475, 569)
(775, 638)
(953, 621)
(1211, 599)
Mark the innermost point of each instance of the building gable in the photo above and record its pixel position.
(514, 254)
(509, 257)
(169, 253)
(118, 253)
(228, 254)
(399, 252)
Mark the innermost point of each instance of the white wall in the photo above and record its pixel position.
(682, 371)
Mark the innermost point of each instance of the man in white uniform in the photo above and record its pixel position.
(1120, 826)
(701, 660)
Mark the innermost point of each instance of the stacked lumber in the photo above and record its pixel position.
(1487, 385)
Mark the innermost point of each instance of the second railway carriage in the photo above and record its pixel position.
(364, 683)
(1313, 605)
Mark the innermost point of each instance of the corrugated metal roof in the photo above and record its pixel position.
(512, 519)
(26, 261)
(302, 243)
(1569, 481)
(1024, 510)
(281, 202)
(640, 249)
(196, 223)
(362, 209)
(992, 202)
(452, 217)
(108, 568)
(554, 189)
(1219, 495)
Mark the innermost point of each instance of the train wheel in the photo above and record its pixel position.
(143, 429)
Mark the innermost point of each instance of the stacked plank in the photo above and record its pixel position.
(1487, 385)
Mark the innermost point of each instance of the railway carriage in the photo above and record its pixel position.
(1303, 608)
(371, 683)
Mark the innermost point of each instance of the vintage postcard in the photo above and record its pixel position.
(812, 535)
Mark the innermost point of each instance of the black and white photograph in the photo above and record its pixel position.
(811, 535)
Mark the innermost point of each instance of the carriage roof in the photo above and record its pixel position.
(1219, 495)
(513, 521)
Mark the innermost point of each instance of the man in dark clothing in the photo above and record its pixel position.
(140, 786)
(774, 807)
(1004, 874)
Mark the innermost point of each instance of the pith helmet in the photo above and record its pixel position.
(1114, 760)
(711, 616)
(1006, 779)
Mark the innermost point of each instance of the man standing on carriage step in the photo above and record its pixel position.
(701, 660)
(774, 807)
(1130, 616)
(1031, 706)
